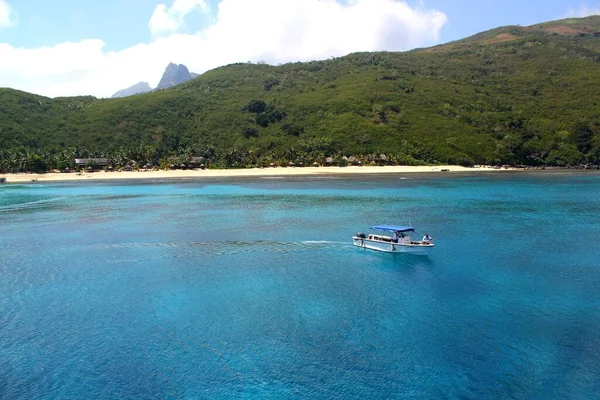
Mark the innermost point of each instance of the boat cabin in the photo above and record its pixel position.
(399, 234)
(396, 238)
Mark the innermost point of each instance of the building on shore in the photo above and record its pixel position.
(91, 162)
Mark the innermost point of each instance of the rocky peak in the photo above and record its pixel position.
(174, 75)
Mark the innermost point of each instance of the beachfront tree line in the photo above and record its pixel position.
(566, 149)
(145, 157)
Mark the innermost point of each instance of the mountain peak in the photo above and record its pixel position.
(174, 75)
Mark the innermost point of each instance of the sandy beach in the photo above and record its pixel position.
(251, 172)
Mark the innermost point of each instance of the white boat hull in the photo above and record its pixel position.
(416, 248)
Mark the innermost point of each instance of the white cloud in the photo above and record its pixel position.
(7, 16)
(274, 31)
(169, 20)
(584, 11)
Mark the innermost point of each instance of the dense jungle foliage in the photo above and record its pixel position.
(513, 95)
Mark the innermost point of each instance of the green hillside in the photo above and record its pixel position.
(512, 95)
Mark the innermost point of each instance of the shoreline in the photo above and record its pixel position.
(252, 172)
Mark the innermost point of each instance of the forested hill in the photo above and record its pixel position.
(512, 95)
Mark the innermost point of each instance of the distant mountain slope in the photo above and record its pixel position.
(138, 88)
(570, 27)
(512, 95)
(174, 75)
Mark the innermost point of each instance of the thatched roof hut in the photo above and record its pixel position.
(101, 162)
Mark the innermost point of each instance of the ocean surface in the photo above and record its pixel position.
(246, 289)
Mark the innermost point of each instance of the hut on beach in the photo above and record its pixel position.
(197, 162)
(92, 163)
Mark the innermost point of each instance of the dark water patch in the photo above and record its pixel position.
(301, 199)
(501, 207)
(588, 207)
(120, 197)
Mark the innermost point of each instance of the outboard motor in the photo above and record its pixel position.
(361, 235)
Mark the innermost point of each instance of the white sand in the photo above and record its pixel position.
(279, 171)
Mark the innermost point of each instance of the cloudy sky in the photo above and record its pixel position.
(74, 47)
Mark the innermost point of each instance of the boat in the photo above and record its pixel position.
(398, 240)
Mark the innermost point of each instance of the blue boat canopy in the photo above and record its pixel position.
(393, 228)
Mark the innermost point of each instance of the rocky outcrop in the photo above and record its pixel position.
(173, 75)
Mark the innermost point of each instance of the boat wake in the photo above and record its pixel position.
(29, 205)
(322, 242)
(169, 250)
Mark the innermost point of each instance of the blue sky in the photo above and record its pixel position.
(134, 40)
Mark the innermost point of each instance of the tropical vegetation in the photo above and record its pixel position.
(512, 95)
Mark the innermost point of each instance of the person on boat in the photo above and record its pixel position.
(427, 239)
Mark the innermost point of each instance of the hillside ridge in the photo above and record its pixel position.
(511, 95)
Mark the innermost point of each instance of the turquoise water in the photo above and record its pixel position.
(251, 289)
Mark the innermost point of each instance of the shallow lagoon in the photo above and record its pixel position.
(251, 288)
